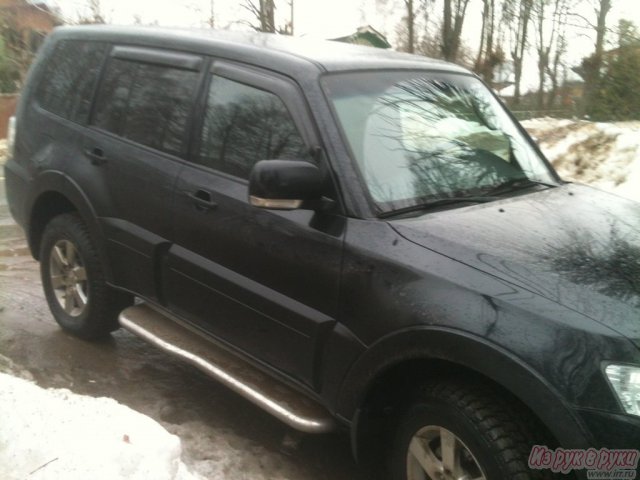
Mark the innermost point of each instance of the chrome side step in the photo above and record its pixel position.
(278, 399)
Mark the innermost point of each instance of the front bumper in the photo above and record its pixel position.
(610, 430)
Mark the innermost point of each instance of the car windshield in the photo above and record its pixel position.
(419, 137)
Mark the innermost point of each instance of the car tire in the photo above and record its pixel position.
(74, 283)
(464, 430)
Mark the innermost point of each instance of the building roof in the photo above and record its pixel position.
(366, 35)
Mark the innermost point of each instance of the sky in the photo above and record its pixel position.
(321, 18)
(324, 18)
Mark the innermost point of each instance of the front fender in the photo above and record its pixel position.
(475, 354)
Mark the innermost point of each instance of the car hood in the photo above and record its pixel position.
(574, 245)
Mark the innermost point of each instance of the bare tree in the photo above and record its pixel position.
(490, 54)
(291, 17)
(543, 47)
(429, 45)
(452, 22)
(287, 29)
(411, 23)
(204, 9)
(550, 21)
(517, 14)
(264, 13)
(211, 21)
(592, 66)
(95, 13)
(556, 66)
(602, 10)
(406, 30)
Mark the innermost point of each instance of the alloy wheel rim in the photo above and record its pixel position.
(436, 453)
(68, 277)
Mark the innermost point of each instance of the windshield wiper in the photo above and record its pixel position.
(436, 203)
(514, 184)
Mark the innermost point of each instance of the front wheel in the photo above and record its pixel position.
(460, 431)
(74, 281)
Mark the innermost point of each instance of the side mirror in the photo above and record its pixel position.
(284, 184)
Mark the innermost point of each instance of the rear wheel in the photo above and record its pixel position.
(74, 281)
(461, 431)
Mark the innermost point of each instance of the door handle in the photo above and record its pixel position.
(202, 200)
(96, 155)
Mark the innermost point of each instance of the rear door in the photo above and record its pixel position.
(264, 281)
(136, 146)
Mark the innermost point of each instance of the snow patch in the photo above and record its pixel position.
(54, 433)
(605, 155)
(221, 454)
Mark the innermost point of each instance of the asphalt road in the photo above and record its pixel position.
(223, 436)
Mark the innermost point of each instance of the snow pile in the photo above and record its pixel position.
(54, 434)
(605, 155)
(221, 454)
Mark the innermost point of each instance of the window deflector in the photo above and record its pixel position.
(156, 56)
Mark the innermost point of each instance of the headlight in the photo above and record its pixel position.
(625, 381)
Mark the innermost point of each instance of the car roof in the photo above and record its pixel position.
(280, 52)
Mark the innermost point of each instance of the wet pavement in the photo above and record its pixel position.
(223, 435)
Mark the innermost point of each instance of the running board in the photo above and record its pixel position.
(278, 399)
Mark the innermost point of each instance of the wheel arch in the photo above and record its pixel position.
(383, 376)
(54, 194)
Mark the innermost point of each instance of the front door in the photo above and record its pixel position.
(263, 281)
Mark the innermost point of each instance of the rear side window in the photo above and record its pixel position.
(243, 125)
(148, 104)
(69, 79)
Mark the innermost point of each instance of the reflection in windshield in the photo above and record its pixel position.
(418, 138)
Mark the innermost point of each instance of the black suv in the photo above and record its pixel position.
(351, 238)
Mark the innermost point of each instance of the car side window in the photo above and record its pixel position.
(243, 125)
(148, 104)
(69, 79)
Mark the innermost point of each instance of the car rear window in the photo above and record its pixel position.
(148, 104)
(69, 79)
